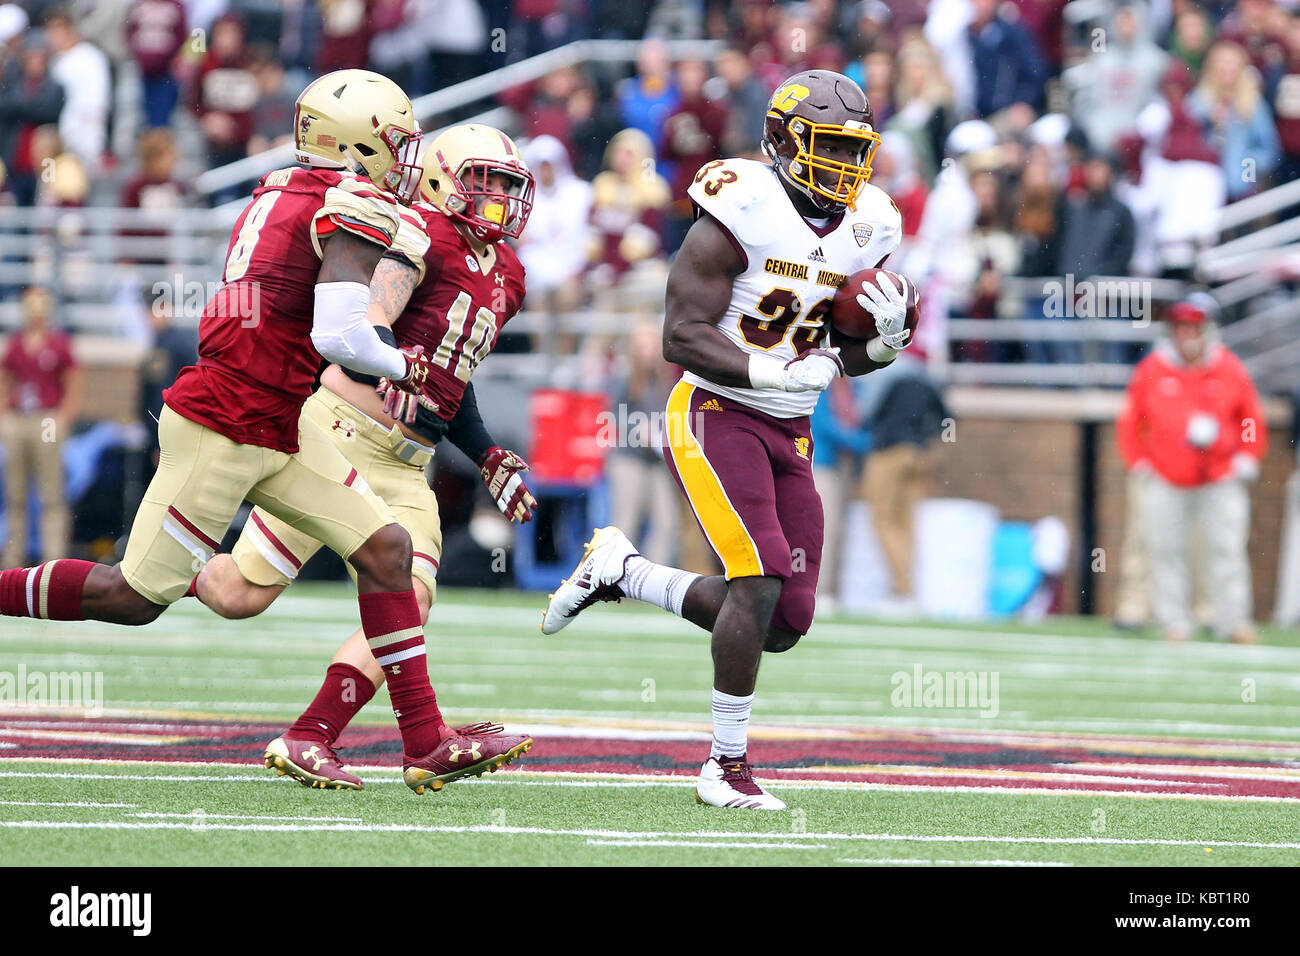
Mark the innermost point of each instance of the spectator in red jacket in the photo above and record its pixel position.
(692, 136)
(155, 31)
(1193, 427)
(225, 93)
(40, 395)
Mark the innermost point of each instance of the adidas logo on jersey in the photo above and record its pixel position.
(817, 255)
(710, 406)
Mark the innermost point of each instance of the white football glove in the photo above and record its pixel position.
(889, 307)
(813, 371)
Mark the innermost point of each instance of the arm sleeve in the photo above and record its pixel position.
(466, 430)
(342, 334)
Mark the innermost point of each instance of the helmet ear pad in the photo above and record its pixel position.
(784, 148)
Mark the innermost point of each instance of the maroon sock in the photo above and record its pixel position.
(345, 691)
(391, 621)
(51, 590)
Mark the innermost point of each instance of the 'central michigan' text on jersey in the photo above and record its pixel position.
(781, 301)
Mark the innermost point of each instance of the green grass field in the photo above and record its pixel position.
(1102, 749)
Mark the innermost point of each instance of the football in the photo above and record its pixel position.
(849, 317)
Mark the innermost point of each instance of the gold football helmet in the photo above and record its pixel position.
(363, 122)
(458, 169)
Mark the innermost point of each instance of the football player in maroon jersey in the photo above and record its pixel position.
(295, 290)
(448, 286)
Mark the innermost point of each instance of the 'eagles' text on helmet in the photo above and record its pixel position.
(363, 122)
(458, 169)
(805, 111)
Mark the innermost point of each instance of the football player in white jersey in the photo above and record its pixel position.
(748, 318)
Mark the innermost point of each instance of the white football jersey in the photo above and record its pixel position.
(780, 303)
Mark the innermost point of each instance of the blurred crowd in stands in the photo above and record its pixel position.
(1022, 138)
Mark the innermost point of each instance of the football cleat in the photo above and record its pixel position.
(472, 750)
(729, 782)
(310, 762)
(594, 579)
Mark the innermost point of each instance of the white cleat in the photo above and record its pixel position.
(594, 579)
(730, 784)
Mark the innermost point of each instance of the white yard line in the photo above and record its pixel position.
(710, 844)
(891, 861)
(44, 803)
(542, 778)
(241, 816)
(621, 835)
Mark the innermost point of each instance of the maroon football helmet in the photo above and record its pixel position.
(805, 111)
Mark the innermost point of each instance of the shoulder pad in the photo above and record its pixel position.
(359, 207)
(878, 217)
(736, 192)
(411, 242)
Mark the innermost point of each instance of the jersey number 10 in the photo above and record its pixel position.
(476, 343)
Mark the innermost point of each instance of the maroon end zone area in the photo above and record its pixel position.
(1171, 766)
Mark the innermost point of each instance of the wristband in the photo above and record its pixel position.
(880, 353)
(766, 372)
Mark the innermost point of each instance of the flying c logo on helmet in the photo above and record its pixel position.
(787, 96)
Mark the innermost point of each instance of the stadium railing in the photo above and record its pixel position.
(431, 106)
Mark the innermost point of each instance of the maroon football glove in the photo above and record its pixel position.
(418, 366)
(502, 472)
(401, 395)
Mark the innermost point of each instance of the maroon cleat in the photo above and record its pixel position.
(311, 763)
(474, 749)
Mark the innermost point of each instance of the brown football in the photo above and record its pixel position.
(849, 317)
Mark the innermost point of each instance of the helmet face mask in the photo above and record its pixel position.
(460, 167)
(806, 112)
(403, 179)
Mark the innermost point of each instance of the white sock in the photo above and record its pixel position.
(656, 583)
(730, 724)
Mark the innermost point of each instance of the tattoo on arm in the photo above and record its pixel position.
(391, 287)
(347, 257)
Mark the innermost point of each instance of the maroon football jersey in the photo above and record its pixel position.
(457, 311)
(256, 362)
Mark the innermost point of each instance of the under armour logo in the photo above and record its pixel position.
(345, 427)
(313, 754)
(457, 751)
(499, 278)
